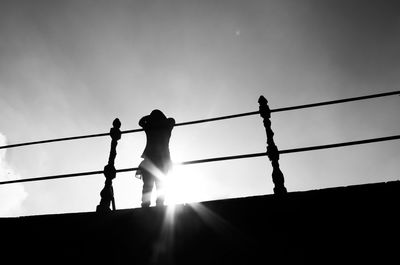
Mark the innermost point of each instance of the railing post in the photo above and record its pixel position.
(107, 194)
(272, 149)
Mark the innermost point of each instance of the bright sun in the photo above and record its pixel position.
(183, 185)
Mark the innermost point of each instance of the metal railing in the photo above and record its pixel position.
(272, 150)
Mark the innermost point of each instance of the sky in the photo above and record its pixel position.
(70, 68)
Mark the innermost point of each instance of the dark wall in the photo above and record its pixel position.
(355, 224)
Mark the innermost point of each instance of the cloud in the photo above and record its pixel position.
(12, 195)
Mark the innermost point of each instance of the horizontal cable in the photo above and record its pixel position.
(319, 147)
(211, 119)
(54, 140)
(393, 93)
(215, 159)
(53, 177)
(218, 118)
(294, 107)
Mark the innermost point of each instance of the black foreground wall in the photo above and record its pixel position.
(355, 224)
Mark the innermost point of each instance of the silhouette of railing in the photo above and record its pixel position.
(272, 150)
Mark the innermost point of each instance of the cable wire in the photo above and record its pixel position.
(212, 119)
(215, 159)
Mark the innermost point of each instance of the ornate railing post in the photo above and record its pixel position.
(107, 194)
(272, 149)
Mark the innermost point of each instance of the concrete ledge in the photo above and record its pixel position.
(329, 226)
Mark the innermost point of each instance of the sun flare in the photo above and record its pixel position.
(183, 185)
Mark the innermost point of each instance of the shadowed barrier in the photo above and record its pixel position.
(273, 153)
(341, 225)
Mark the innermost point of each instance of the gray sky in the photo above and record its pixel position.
(70, 67)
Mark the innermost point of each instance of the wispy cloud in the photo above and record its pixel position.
(13, 195)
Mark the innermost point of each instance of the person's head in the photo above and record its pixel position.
(157, 115)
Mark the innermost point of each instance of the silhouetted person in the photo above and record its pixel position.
(156, 157)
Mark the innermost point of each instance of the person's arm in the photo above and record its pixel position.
(143, 122)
